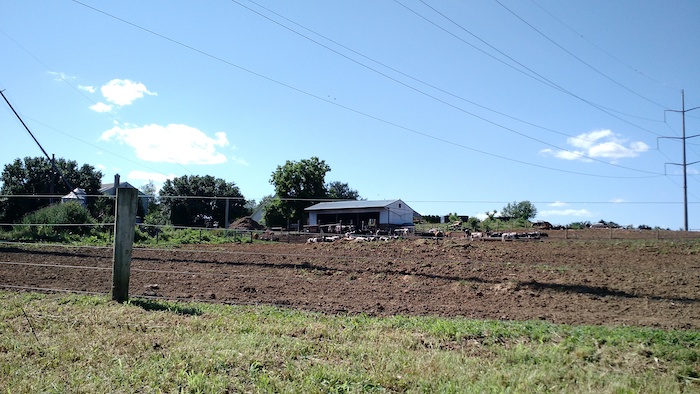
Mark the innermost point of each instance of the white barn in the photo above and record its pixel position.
(380, 214)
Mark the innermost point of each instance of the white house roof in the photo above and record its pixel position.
(352, 204)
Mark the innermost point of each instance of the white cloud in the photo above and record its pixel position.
(617, 200)
(60, 76)
(566, 212)
(89, 89)
(123, 91)
(240, 161)
(174, 143)
(558, 204)
(599, 144)
(565, 155)
(101, 107)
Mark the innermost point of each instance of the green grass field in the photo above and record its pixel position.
(88, 344)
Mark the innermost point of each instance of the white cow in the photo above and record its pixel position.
(508, 236)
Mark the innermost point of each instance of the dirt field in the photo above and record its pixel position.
(609, 282)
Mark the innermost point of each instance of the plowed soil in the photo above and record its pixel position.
(653, 283)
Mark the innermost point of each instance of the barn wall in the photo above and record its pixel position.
(397, 214)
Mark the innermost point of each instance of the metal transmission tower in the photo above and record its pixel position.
(685, 164)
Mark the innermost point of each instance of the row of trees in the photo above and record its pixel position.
(38, 176)
(516, 214)
(203, 201)
(193, 200)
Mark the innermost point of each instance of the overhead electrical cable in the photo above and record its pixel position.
(595, 105)
(535, 75)
(399, 71)
(588, 65)
(433, 97)
(578, 58)
(49, 158)
(681, 187)
(414, 78)
(637, 71)
(61, 77)
(286, 85)
(439, 99)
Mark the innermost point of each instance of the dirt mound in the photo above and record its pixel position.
(246, 223)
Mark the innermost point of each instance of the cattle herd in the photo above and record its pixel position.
(433, 233)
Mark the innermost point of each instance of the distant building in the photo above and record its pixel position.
(110, 189)
(379, 214)
(259, 214)
(77, 195)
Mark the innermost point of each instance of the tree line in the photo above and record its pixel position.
(189, 200)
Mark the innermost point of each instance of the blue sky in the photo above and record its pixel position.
(451, 106)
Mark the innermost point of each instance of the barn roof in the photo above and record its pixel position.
(352, 204)
(110, 189)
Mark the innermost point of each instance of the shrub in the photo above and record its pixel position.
(43, 223)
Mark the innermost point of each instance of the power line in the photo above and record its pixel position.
(61, 77)
(576, 57)
(299, 90)
(50, 159)
(535, 75)
(434, 97)
(635, 70)
(424, 83)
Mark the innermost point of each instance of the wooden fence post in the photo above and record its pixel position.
(124, 222)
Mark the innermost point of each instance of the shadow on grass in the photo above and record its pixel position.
(157, 305)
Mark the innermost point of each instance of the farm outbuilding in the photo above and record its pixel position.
(77, 195)
(378, 214)
(110, 189)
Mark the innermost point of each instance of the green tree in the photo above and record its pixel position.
(297, 184)
(277, 213)
(432, 219)
(473, 223)
(179, 203)
(524, 210)
(154, 215)
(342, 191)
(149, 190)
(36, 176)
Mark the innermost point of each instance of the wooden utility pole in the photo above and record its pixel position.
(53, 164)
(124, 223)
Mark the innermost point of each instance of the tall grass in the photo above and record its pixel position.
(72, 343)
